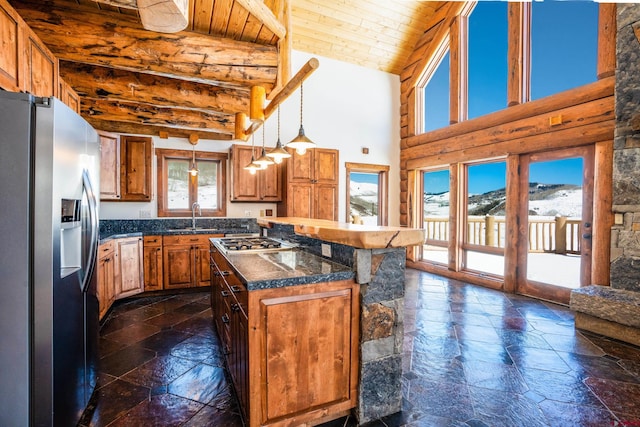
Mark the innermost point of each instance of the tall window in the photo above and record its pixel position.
(487, 58)
(367, 190)
(564, 39)
(435, 96)
(178, 189)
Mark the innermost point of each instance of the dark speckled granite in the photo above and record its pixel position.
(339, 253)
(110, 227)
(264, 270)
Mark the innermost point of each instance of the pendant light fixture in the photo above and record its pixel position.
(278, 153)
(264, 160)
(193, 140)
(253, 166)
(301, 143)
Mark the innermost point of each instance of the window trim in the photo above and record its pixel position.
(164, 155)
(383, 188)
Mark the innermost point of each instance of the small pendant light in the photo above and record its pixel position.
(301, 143)
(193, 140)
(278, 153)
(264, 160)
(253, 166)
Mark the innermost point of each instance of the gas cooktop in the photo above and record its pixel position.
(250, 244)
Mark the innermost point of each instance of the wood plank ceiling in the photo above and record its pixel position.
(131, 80)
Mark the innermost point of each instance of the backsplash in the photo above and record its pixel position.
(110, 227)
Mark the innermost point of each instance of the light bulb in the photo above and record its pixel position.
(278, 160)
(301, 151)
(252, 171)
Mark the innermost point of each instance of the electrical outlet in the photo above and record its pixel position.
(145, 213)
(264, 232)
(247, 213)
(326, 250)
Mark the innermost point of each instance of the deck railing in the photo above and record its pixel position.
(559, 235)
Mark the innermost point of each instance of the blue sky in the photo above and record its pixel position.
(554, 68)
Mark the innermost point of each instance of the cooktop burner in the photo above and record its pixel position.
(237, 244)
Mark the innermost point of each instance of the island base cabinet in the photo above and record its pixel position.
(303, 353)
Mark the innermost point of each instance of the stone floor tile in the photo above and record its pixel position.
(567, 414)
(167, 320)
(486, 334)
(618, 396)
(159, 371)
(537, 358)
(486, 352)
(560, 387)
(512, 338)
(604, 367)
(125, 360)
(133, 333)
(201, 383)
(197, 348)
(210, 416)
(441, 398)
(577, 344)
(494, 376)
(164, 341)
(450, 370)
(163, 409)
(503, 409)
(112, 401)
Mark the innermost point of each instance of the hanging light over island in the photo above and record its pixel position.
(301, 143)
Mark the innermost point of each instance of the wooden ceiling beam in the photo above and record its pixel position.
(138, 113)
(121, 85)
(113, 40)
(138, 129)
(262, 13)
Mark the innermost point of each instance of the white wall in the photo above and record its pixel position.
(346, 107)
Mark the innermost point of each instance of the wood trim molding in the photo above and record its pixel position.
(383, 188)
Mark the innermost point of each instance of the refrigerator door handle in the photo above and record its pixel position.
(93, 221)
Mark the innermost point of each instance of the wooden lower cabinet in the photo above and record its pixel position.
(152, 262)
(185, 260)
(292, 352)
(129, 266)
(106, 276)
(303, 352)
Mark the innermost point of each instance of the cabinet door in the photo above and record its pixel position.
(106, 277)
(152, 263)
(239, 357)
(244, 186)
(300, 200)
(300, 167)
(326, 202)
(270, 184)
(109, 166)
(178, 266)
(42, 67)
(11, 41)
(130, 267)
(303, 339)
(203, 272)
(69, 96)
(325, 166)
(135, 167)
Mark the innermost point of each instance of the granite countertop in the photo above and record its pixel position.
(174, 232)
(355, 235)
(264, 270)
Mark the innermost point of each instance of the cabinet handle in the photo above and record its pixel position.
(194, 240)
(225, 319)
(224, 293)
(225, 273)
(235, 307)
(235, 289)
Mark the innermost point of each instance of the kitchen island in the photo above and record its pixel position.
(288, 322)
(376, 255)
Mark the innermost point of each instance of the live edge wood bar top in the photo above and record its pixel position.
(355, 235)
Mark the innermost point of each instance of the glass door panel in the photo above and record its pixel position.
(484, 234)
(363, 197)
(558, 223)
(435, 215)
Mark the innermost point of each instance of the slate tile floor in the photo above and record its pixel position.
(473, 357)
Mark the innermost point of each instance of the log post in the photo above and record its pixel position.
(561, 235)
(489, 235)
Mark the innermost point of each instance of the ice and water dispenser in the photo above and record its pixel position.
(70, 236)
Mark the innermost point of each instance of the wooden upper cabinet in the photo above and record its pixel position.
(42, 67)
(69, 96)
(109, 166)
(264, 186)
(312, 185)
(135, 167)
(12, 47)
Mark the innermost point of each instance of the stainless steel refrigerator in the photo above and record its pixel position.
(49, 174)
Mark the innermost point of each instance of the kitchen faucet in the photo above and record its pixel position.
(193, 213)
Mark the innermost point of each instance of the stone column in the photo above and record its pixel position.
(625, 236)
(380, 273)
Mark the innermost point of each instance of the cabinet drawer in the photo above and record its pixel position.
(153, 241)
(106, 249)
(199, 239)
